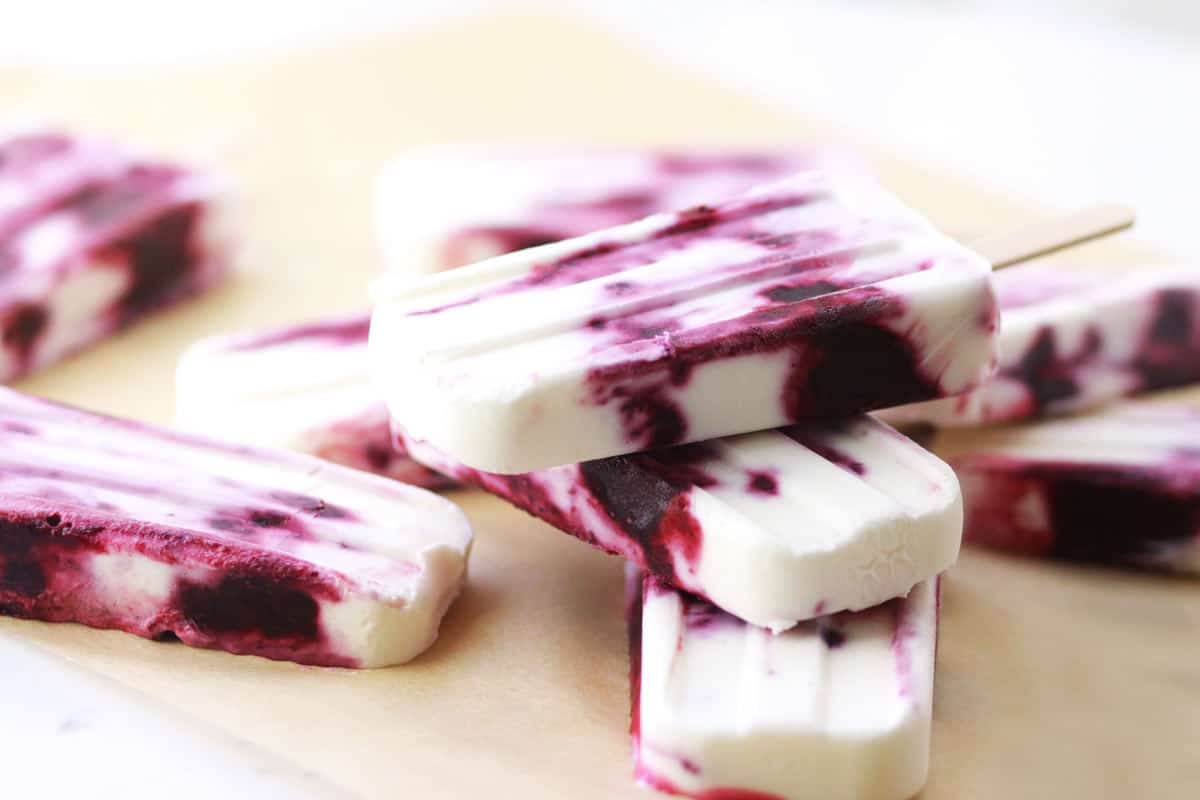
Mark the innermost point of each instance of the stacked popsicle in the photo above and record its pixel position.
(688, 391)
(643, 414)
(640, 314)
(625, 351)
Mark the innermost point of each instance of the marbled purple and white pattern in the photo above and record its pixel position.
(1072, 340)
(774, 527)
(301, 387)
(819, 296)
(837, 708)
(448, 205)
(1120, 487)
(116, 524)
(91, 240)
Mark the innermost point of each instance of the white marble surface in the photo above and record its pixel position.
(67, 733)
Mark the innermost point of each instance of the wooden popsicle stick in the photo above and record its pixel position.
(1068, 230)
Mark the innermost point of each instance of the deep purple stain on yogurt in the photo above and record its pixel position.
(378, 456)
(844, 360)
(1099, 513)
(1118, 514)
(272, 606)
(32, 551)
(650, 417)
(1048, 376)
(848, 360)
(22, 328)
(158, 254)
(1169, 355)
(831, 636)
(649, 508)
(762, 482)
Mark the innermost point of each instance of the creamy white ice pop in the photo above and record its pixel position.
(449, 205)
(1073, 340)
(299, 387)
(1118, 487)
(93, 239)
(838, 708)
(819, 296)
(774, 527)
(116, 524)
(306, 387)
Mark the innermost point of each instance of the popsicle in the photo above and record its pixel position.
(1118, 487)
(449, 205)
(1072, 340)
(300, 387)
(93, 239)
(39, 169)
(115, 524)
(819, 296)
(837, 708)
(774, 527)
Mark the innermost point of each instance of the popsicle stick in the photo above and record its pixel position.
(1029, 242)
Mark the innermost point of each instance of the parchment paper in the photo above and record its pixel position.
(1052, 681)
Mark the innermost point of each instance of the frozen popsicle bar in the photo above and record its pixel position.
(837, 708)
(299, 387)
(1071, 340)
(39, 170)
(92, 239)
(116, 524)
(1118, 487)
(820, 296)
(446, 206)
(774, 527)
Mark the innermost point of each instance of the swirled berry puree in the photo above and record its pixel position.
(773, 527)
(1073, 340)
(91, 240)
(300, 387)
(1120, 487)
(836, 708)
(120, 525)
(819, 296)
(446, 206)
